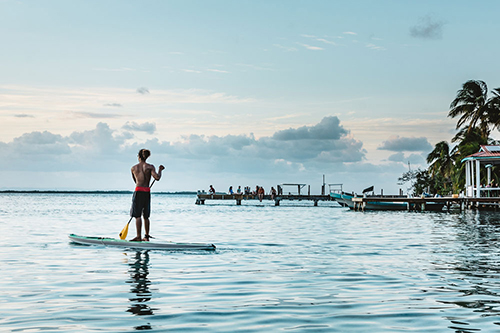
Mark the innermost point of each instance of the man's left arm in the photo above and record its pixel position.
(133, 176)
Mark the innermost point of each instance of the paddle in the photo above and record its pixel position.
(124, 232)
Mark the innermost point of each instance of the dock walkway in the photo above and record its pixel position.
(238, 198)
(419, 203)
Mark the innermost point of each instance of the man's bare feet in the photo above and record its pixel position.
(136, 239)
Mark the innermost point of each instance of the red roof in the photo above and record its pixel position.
(486, 151)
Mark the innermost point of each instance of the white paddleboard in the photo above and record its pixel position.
(139, 245)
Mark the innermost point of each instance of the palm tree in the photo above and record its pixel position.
(442, 162)
(477, 116)
(470, 105)
(468, 143)
(493, 107)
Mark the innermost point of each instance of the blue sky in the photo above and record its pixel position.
(233, 92)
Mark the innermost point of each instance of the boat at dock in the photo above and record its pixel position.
(343, 199)
(379, 202)
(346, 200)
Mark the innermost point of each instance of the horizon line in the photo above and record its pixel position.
(89, 192)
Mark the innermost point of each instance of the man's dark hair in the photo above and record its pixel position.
(144, 154)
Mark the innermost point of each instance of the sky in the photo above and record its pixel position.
(234, 92)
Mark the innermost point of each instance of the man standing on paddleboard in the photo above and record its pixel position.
(141, 201)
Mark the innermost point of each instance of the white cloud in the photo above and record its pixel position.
(414, 159)
(306, 149)
(285, 48)
(375, 47)
(217, 70)
(328, 129)
(310, 47)
(39, 143)
(400, 144)
(188, 167)
(428, 28)
(322, 143)
(256, 67)
(142, 90)
(376, 130)
(318, 39)
(122, 69)
(397, 157)
(55, 99)
(102, 140)
(144, 127)
(326, 41)
(191, 71)
(94, 115)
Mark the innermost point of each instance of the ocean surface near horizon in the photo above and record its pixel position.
(291, 268)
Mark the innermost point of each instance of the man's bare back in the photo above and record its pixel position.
(142, 172)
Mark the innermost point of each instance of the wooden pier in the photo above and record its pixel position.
(238, 198)
(419, 203)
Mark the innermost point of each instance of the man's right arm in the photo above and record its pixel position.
(156, 175)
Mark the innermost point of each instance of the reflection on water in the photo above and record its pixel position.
(139, 286)
(469, 266)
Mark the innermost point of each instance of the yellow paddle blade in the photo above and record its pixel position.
(124, 232)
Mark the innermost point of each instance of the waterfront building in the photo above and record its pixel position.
(486, 157)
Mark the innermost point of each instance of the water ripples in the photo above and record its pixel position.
(288, 268)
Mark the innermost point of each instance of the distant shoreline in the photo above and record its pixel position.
(86, 192)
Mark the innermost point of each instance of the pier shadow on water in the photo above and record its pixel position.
(139, 287)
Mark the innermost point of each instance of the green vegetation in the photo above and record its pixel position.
(477, 116)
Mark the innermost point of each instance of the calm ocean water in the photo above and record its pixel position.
(294, 268)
